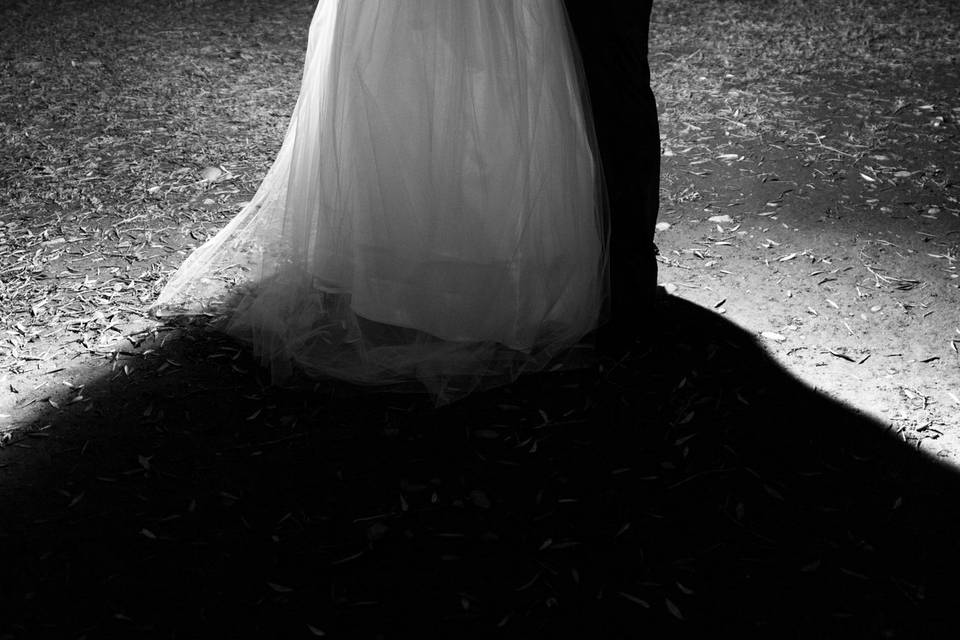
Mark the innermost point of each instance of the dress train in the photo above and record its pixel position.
(434, 212)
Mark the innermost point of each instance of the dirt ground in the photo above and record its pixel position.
(771, 464)
(846, 272)
(839, 183)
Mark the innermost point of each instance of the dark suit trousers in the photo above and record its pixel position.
(612, 39)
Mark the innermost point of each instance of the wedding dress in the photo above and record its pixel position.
(435, 213)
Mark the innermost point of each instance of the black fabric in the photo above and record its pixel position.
(613, 46)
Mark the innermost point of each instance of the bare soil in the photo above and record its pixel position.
(777, 461)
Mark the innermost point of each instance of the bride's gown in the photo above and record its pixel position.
(435, 210)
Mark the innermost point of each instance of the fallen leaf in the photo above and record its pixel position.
(841, 355)
(813, 566)
(479, 499)
(634, 599)
(673, 609)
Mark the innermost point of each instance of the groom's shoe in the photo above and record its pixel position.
(629, 329)
(632, 322)
(633, 301)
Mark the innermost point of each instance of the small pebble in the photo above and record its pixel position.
(210, 174)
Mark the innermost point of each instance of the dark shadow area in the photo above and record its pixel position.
(692, 488)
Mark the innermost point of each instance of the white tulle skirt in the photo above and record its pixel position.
(435, 211)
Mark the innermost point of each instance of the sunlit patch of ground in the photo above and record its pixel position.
(811, 184)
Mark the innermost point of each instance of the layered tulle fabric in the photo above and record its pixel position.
(435, 211)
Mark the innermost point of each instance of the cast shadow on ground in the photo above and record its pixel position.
(692, 487)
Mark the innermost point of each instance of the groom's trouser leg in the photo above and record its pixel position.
(613, 48)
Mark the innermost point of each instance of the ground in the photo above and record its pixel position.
(825, 142)
(779, 460)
